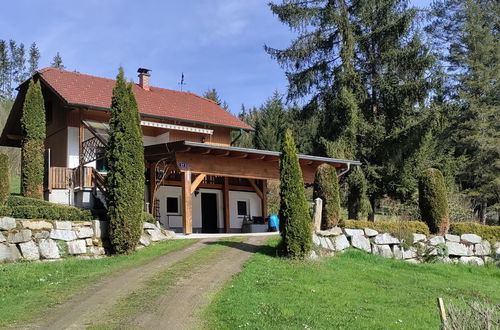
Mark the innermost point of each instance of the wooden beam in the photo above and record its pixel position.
(264, 199)
(187, 205)
(225, 201)
(81, 133)
(197, 181)
(256, 188)
(222, 154)
(256, 157)
(240, 155)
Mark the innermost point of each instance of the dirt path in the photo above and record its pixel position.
(177, 308)
(97, 299)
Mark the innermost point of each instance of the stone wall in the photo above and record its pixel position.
(53, 240)
(467, 249)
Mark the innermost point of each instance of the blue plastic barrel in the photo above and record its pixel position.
(274, 222)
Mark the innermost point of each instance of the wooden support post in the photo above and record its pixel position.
(256, 188)
(225, 201)
(152, 186)
(81, 133)
(442, 314)
(187, 205)
(264, 199)
(197, 181)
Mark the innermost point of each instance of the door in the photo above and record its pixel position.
(209, 213)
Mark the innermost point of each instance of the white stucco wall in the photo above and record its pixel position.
(60, 196)
(73, 147)
(255, 207)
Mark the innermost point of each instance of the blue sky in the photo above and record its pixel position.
(216, 43)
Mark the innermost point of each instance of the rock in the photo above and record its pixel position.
(37, 224)
(170, 233)
(436, 240)
(29, 250)
(471, 238)
(89, 242)
(315, 239)
(482, 249)
(48, 249)
(156, 235)
(382, 250)
(65, 225)
(340, 243)
(452, 238)
(411, 253)
(42, 234)
(446, 260)
(82, 224)
(325, 243)
(97, 250)
(101, 228)
(63, 235)
(9, 253)
(386, 238)
(361, 242)
(21, 236)
(472, 261)
(84, 232)
(149, 225)
(2, 238)
(7, 223)
(397, 252)
(496, 245)
(413, 261)
(317, 212)
(459, 249)
(497, 253)
(335, 231)
(77, 247)
(418, 238)
(488, 259)
(352, 232)
(145, 240)
(313, 255)
(370, 232)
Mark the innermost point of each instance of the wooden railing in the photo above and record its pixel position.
(66, 178)
(60, 178)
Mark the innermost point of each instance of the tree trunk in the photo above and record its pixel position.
(371, 215)
(482, 213)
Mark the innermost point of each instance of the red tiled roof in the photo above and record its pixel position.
(76, 88)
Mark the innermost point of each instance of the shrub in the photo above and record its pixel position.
(4, 179)
(490, 233)
(148, 217)
(358, 205)
(295, 221)
(31, 208)
(14, 201)
(389, 227)
(473, 315)
(32, 151)
(125, 179)
(326, 187)
(433, 202)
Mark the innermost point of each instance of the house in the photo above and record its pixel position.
(196, 181)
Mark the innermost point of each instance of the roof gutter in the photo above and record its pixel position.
(237, 138)
(346, 170)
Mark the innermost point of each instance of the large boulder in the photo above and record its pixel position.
(471, 238)
(335, 231)
(382, 250)
(145, 240)
(156, 234)
(2, 238)
(84, 232)
(101, 228)
(459, 249)
(63, 235)
(315, 239)
(148, 225)
(361, 242)
(370, 232)
(7, 223)
(9, 252)
(21, 236)
(48, 249)
(483, 248)
(29, 250)
(472, 261)
(37, 224)
(353, 232)
(418, 238)
(64, 225)
(452, 238)
(340, 242)
(436, 240)
(77, 247)
(386, 238)
(42, 234)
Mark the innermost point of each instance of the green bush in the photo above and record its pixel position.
(125, 179)
(490, 233)
(326, 187)
(32, 151)
(295, 221)
(4, 178)
(148, 217)
(358, 204)
(433, 201)
(14, 201)
(388, 226)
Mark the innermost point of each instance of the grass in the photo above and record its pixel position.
(27, 290)
(353, 291)
(143, 299)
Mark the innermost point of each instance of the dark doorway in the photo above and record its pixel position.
(209, 213)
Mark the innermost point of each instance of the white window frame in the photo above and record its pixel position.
(178, 205)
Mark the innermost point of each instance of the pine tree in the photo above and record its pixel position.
(5, 89)
(433, 201)
(125, 179)
(295, 221)
(18, 63)
(213, 95)
(4, 179)
(57, 62)
(32, 152)
(33, 59)
(326, 187)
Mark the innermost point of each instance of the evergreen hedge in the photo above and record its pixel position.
(31, 208)
(33, 149)
(295, 220)
(418, 227)
(326, 187)
(358, 205)
(4, 179)
(125, 179)
(433, 201)
(490, 233)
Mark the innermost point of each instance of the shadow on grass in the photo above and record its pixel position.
(265, 249)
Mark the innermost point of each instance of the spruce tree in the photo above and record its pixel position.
(125, 179)
(295, 220)
(326, 187)
(33, 59)
(57, 62)
(33, 149)
(4, 179)
(433, 201)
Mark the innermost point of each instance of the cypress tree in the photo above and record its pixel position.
(125, 179)
(326, 187)
(295, 221)
(358, 205)
(32, 152)
(433, 201)
(4, 179)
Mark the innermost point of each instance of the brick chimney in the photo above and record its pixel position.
(144, 78)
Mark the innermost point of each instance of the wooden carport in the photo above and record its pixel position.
(195, 161)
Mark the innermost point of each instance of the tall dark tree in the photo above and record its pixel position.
(5, 83)
(33, 124)
(213, 95)
(125, 179)
(326, 187)
(57, 62)
(271, 124)
(18, 63)
(34, 57)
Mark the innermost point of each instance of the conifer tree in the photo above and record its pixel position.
(125, 179)
(32, 152)
(57, 62)
(433, 201)
(326, 187)
(4, 179)
(358, 205)
(295, 220)
(33, 59)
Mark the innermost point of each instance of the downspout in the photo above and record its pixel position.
(346, 170)
(237, 138)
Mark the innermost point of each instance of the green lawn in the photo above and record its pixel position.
(27, 290)
(352, 291)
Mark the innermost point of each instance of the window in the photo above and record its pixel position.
(173, 205)
(242, 208)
